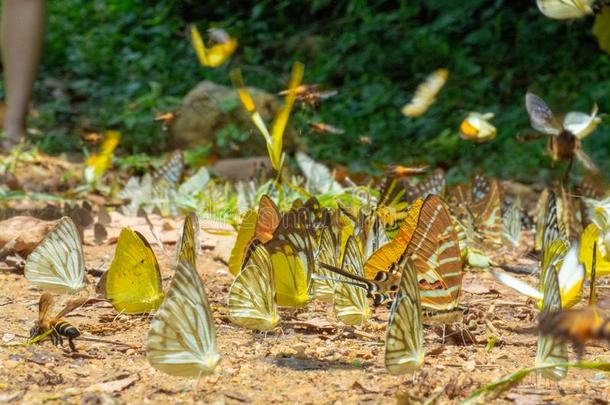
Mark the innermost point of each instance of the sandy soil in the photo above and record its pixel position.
(312, 359)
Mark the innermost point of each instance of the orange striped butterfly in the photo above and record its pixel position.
(435, 252)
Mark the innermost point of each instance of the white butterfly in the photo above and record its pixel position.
(252, 295)
(182, 337)
(57, 264)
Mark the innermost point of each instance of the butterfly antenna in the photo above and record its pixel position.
(151, 227)
(592, 293)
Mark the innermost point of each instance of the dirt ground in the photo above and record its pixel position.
(310, 359)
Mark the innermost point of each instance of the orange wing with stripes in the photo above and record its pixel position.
(435, 253)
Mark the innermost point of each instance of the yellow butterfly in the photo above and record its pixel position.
(476, 127)
(133, 281)
(425, 95)
(182, 337)
(350, 301)
(96, 165)
(273, 139)
(291, 274)
(404, 342)
(550, 350)
(566, 9)
(58, 264)
(219, 52)
(252, 295)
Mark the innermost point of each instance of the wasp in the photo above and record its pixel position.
(58, 327)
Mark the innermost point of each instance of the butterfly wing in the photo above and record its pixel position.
(542, 118)
(512, 223)
(550, 350)
(268, 219)
(350, 303)
(434, 184)
(570, 278)
(425, 94)
(57, 264)
(252, 296)
(245, 235)
(328, 253)
(588, 241)
(188, 246)
(435, 251)
(290, 275)
(404, 342)
(182, 337)
(565, 9)
(133, 281)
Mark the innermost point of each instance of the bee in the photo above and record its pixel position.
(322, 128)
(58, 326)
(310, 94)
(565, 136)
(404, 171)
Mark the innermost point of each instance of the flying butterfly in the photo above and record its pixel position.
(310, 94)
(252, 301)
(222, 46)
(551, 350)
(273, 139)
(57, 264)
(182, 336)
(565, 137)
(405, 171)
(568, 9)
(96, 165)
(404, 351)
(322, 128)
(55, 325)
(425, 94)
(476, 127)
(350, 301)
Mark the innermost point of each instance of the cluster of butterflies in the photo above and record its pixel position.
(406, 249)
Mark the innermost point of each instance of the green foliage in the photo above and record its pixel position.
(122, 60)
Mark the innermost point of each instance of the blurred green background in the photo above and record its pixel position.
(114, 63)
